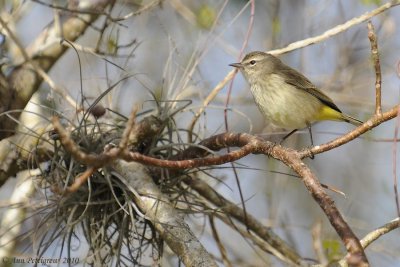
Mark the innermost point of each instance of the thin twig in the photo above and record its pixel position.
(82, 178)
(128, 129)
(214, 92)
(317, 243)
(394, 162)
(228, 97)
(378, 75)
(368, 125)
(375, 234)
(335, 30)
(221, 246)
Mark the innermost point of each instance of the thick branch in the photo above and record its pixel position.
(171, 226)
(249, 144)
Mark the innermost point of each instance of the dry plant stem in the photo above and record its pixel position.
(394, 162)
(171, 226)
(228, 97)
(378, 75)
(245, 42)
(140, 10)
(207, 101)
(221, 246)
(378, 109)
(317, 243)
(128, 129)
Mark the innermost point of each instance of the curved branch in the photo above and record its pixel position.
(249, 144)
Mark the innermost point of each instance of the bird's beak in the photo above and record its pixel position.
(237, 65)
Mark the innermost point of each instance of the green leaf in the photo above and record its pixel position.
(371, 2)
(276, 26)
(332, 249)
(205, 17)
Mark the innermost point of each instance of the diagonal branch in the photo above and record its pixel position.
(175, 232)
(368, 125)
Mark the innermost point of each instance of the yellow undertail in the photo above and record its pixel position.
(328, 113)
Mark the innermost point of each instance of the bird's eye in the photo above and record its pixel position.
(253, 62)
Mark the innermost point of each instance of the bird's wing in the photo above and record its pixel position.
(298, 80)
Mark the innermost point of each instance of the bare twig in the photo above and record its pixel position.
(214, 92)
(375, 234)
(82, 178)
(142, 9)
(394, 162)
(368, 125)
(244, 45)
(228, 97)
(128, 129)
(375, 57)
(221, 246)
(317, 243)
(335, 30)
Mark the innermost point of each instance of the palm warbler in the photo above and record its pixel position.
(285, 97)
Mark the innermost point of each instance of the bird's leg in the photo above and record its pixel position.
(312, 141)
(286, 136)
(309, 130)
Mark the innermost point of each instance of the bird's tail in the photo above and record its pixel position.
(351, 120)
